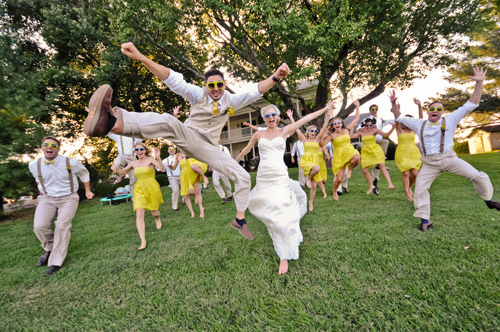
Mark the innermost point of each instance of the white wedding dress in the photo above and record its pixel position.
(278, 201)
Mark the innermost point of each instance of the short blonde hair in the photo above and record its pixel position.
(265, 108)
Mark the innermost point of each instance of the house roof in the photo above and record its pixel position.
(492, 128)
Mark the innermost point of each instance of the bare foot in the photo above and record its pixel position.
(205, 181)
(370, 190)
(158, 223)
(202, 213)
(143, 246)
(311, 207)
(391, 186)
(349, 172)
(335, 195)
(192, 214)
(409, 196)
(308, 182)
(283, 266)
(324, 195)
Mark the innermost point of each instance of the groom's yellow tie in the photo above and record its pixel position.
(49, 162)
(215, 108)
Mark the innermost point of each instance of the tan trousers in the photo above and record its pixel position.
(302, 177)
(152, 125)
(122, 161)
(384, 144)
(175, 184)
(223, 193)
(56, 241)
(433, 166)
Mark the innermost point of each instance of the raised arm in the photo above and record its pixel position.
(301, 136)
(394, 107)
(248, 124)
(479, 77)
(269, 82)
(157, 161)
(158, 70)
(323, 130)
(420, 109)
(311, 116)
(355, 121)
(388, 133)
(253, 140)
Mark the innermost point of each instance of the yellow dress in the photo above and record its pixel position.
(322, 165)
(407, 154)
(147, 194)
(188, 176)
(371, 153)
(310, 159)
(343, 151)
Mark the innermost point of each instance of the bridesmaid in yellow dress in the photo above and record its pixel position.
(407, 154)
(192, 171)
(371, 153)
(147, 194)
(344, 154)
(311, 159)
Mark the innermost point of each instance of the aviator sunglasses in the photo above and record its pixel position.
(52, 145)
(139, 149)
(218, 84)
(268, 115)
(313, 130)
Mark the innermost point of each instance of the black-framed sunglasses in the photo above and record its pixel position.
(218, 84)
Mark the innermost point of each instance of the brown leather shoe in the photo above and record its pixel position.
(96, 123)
(426, 227)
(493, 204)
(42, 260)
(242, 229)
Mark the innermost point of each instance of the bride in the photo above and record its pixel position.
(277, 200)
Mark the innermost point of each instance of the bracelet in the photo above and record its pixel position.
(275, 79)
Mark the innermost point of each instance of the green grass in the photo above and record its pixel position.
(363, 266)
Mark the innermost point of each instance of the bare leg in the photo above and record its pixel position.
(366, 172)
(321, 185)
(405, 178)
(312, 194)
(312, 173)
(156, 214)
(283, 266)
(197, 169)
(336, 183)
(353, 163)
(386, 175)
(413, 176)
(187, 200)
(141, 227)
(198, 199)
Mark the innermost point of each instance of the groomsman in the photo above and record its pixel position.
(56, 177)
(298, 152)
(436, 145)
(198, 136)
(173, 174)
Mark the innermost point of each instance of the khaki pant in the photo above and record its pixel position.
(433, 166)
(152, 125)
(176, 190)
(223, 193)
(384, 144)
(56, 241)
(122, 161)
(302, 177)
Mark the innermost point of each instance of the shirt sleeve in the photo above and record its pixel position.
(114, 137)
(251, 94)
(454, 118)
(412, 123)
(175, 82)
(80, 170)
(294, 149)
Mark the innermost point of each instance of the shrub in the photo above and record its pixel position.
(461, 147)
(162, 179)
(103, 188)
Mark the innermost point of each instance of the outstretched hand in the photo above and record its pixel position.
(289, 112)
(417, 101)
(175, 111)
(392, 96)
(131, 51)
(479, 74)
(157, 153)
(356, 103)
(282, 71)
(246, 123)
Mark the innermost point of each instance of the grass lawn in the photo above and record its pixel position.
(363, 266)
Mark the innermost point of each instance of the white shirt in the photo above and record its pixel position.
(170, 161)
(226, 150)
(298, 149)
(55, 176)
(193, 93)
(432, 133)
(124, 144)
(329, 148)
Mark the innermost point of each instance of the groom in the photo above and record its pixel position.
(198, 136)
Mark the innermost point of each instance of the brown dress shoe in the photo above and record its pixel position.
(229, 199)
(242, 229)
(426, 227)
(493, 204)
(223, 201)
(96, 123)
(42, 260)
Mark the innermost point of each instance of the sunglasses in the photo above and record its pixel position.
(369, 125)
(139, 149)
(374, 109)
(313, 130)
(212, 85)
(336, 123)
(171, 149)
(269, 115)
(435, 108)
(52, 145)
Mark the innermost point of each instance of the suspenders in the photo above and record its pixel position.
(40, 178)
(441, 145)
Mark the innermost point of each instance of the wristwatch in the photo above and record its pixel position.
(275, 79)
